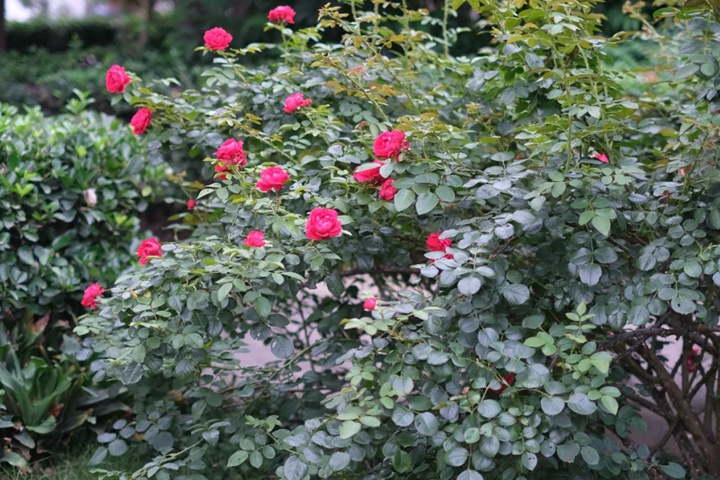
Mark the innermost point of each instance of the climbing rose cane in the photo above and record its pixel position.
(322, 224)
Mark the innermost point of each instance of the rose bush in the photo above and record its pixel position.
(522, 282)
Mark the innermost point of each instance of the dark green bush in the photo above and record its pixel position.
(57, 36)
(54, 241)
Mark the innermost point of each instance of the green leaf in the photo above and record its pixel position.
(263, 306)
(568, 452)
(529, 460)
(610, 404)
(445, 193)
(281, 346)
(426, 424)
(590, 274)
(117, 447)
(469, 285)
(674, 470)
(349, 428)
(294, 469)
(470, 475)
(98, 457)
(552, 405)
(472, 435)
(605, 255)
(515, 294)
(601, 224)
(256, 459)
(692, 269)
(489, 408)
(237, 458)
(402, 462)
(403, 199)
(335, 285)
(456, 457)
(426, 202)
(223, 291)
(683, 305)
(339, 461)
(580, 403)
(590, 455)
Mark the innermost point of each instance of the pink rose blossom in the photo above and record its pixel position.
(90, 295)
(602, 157)
(217, 39)
(255, 238)
(190, 204)
(282, 14)
(370, 174)
(148, 248)
(272, 178)
(323, 223)
(369, 304)
(389, 144)
(141, 120)
(295, 102)
(387, 191)
(116, 79)
(231, 152)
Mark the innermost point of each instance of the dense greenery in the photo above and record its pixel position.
(544, 233)
(71, 192)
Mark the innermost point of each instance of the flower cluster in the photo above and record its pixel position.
(229, 153)
(390, 144)
(148, 248)
(436, 244)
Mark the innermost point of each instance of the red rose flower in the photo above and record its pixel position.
(116, 79)
(221, 168)
(389, 144)
(370, 174)
(508, 380)
(148, 248)
(255, 238)
(282, 14)
(296, 101)
(693, 358)
(141, 120)
(387, 191)
(217, 39)
(89, 299)
(272, 178)
(602, 157)
(370, 304)
(190, 204)
(322, 224)
(231, 152)
(436, 244)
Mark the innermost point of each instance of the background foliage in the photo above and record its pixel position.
(53, 243)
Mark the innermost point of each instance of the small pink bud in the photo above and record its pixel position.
(370, 304)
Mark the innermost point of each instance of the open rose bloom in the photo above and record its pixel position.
(148, 248)
(217, 39)
(141, 120)
(390, 144)
(295, 102)
(255, 238)
(116, 79)
(282, 14)
(272, 178)
(91, 294)
(323, 223)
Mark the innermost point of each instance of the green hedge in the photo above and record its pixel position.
(56, 36)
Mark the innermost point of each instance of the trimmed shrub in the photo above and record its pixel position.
(71, 192)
